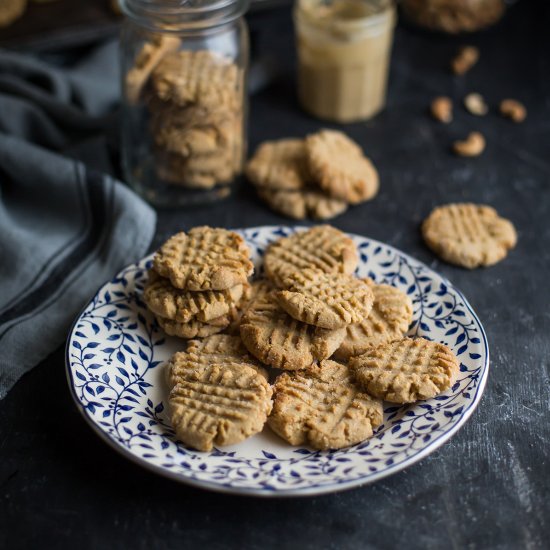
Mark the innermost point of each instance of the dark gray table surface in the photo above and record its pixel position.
(489, 486)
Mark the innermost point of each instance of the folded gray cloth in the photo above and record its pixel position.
(64, 228)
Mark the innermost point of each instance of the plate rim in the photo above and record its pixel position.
(291, 492)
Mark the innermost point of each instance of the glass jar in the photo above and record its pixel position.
(184, 68)
(454, 16)
(344, 49)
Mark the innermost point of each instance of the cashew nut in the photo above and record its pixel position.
(475, 104)
(513, 109)
(442, 109)
(464, 60)
(472, 146)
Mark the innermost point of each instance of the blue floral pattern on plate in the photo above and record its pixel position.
(116, 352)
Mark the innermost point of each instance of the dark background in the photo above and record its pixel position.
(61, 487)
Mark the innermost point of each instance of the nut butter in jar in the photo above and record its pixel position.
(344, 49)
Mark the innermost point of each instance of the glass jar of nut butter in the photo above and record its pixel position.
(344, 49)
(184, 70)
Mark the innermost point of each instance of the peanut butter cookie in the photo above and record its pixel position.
(205, 258)
(323, 408)
(388, 320)
(218, 404)
(326, 300)
(339, 167)
(469, 235)
(323, 248)
(406, 370)
(280, 341)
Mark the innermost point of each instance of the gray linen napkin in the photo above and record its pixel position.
(64, 229)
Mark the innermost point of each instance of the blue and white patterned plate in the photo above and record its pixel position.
(115, 356)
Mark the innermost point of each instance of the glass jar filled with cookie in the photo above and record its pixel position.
(184, 71)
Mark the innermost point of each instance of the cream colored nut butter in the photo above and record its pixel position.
(344, 49)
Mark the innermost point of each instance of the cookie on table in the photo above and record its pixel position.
(388, 320)
(278, 340)
(323, 248)
(406, 370)
(176, 304)
(469, 235)
(339, 167)
(218, 404)
(326, 300)
(205, 258)
(147, 59)
(278, 165)
(197, 77)
(323, 408)
(303, 203)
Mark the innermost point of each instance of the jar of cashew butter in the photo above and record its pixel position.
(184, 66)
(344, 49)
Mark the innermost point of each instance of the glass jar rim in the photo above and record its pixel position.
(183, 14)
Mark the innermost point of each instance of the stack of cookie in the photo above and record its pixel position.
(197, 282)
(309, 309)
(317, 177)
(196, 112)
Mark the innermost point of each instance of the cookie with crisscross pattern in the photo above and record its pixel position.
(388, 320)
(406, 370)
(218, 404)
(323, 408)
(276, 339)
(205, 258)
(323, 248)
(469, 235)
(326, 300)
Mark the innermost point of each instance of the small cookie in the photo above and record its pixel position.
(205, 258)
(191, 141)
(278, 340)
(304, 203)
(279, 164)
(323, 408)
(193, 328)
(10, 11)
(339, 167)
(175, 304)
(469, 235)
(219, 404)
(326, 300)
(406, 370)
(323, 248)
(197, 77)
(389, 320)
(147, 59)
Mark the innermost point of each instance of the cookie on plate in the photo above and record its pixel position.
(280, 341)
(323, 408)
(218, 404)
(205, 258)
(388, 320)
(176, 304)
(469, 235)
(406, 370)
(326, 300)
(323, 248)
(339, 167)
